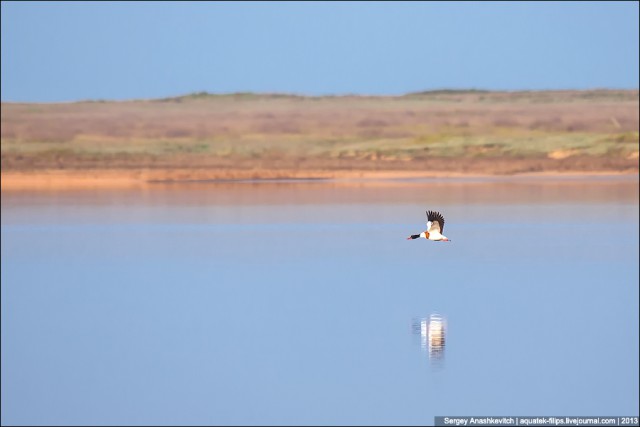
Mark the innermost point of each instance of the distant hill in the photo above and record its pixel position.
(452, 130)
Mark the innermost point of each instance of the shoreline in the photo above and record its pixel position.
(123, 179)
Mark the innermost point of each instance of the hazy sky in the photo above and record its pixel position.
(60, 51)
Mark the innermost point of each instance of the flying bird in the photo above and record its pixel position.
(435, 228)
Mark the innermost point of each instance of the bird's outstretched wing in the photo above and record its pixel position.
(435, 222)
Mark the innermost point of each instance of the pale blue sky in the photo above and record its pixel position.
(61, 51)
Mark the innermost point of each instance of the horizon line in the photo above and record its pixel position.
(204, 93)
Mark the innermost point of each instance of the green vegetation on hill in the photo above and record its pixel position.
(408, 131)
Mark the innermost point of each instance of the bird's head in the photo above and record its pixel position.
(445, 239)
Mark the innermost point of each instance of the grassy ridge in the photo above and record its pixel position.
(551, 128)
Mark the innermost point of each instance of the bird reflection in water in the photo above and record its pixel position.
(432, 332)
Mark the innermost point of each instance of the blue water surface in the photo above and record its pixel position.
(293, 303)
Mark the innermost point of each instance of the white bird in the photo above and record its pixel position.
(435, 228)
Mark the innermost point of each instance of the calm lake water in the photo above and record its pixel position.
(301, 302)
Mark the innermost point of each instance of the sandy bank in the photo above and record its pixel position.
(113, 179)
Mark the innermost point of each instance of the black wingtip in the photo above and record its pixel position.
(436, 216)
